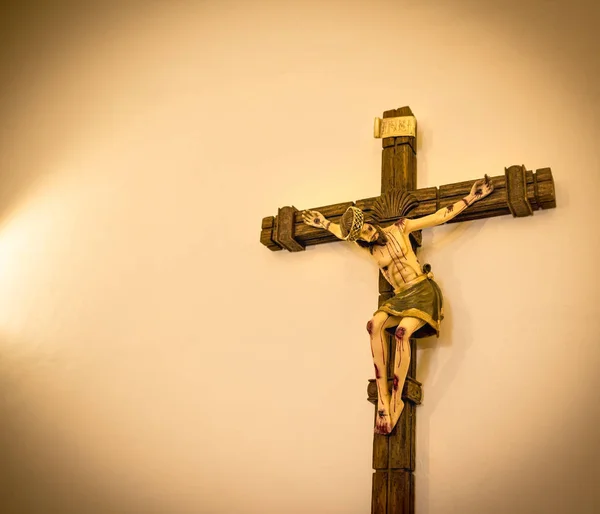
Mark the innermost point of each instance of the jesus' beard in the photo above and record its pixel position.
(381, 239)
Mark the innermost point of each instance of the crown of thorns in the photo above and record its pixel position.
(352, 223)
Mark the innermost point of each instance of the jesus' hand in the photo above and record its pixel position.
(314, 219)
(481, 189)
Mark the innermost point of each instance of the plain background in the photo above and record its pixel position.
(155, 358)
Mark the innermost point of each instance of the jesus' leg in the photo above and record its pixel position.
(404, 331)
(379, 349)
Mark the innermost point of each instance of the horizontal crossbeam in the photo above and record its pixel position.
(517, 192)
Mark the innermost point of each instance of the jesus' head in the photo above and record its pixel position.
(354, 228)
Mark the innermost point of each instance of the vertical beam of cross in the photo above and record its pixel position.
(393, 489)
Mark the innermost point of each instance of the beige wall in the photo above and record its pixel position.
(155, 358)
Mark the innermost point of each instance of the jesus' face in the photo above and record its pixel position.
(371, 234)
(368, 233)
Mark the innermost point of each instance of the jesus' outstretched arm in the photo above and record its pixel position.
(480, 189)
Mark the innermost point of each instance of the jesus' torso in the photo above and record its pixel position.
(396, 259)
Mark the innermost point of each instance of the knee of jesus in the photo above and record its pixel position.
(400, 333)
(371, 327)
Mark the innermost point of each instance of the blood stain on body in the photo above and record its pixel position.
(400, 333)
(370, 327)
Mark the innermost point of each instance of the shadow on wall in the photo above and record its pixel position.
(39, 41)
(43, 472)
(32, 37)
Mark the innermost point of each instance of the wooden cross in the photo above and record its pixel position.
(518, 192)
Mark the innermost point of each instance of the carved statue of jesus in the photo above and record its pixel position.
(416, 308)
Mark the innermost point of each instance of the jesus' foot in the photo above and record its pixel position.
(383, 424)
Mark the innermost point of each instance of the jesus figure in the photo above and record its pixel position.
(415, 310)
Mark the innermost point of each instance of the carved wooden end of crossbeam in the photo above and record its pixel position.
(518, 192)
(284, 230)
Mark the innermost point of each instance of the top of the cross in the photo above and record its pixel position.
(402, 111)
(398, 126)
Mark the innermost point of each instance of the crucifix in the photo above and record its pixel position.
(410, 303)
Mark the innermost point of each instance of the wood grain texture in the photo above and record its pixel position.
(399, 173)
(539, 193)
(398, 160)
(516, 191)
(381, 450)
(542, 190)
(412, 368)
(285, 229)
(401, 494)
(266, 234)
(398, 169)
(402, 440)
(379, 498)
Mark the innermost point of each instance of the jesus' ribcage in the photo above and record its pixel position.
(399, 257)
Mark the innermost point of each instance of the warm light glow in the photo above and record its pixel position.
(155, 357)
